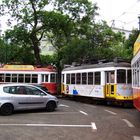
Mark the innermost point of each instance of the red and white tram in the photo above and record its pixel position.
(135, 63)
(29, 74)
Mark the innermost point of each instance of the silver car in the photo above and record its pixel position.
(24, 97)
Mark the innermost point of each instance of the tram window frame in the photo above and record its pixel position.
(34, 78)
(129, 76)
(84, 78)
(72, 78)
(27, 78)
(121, 76)
(7, 77)
(62, 78)
(1, 77)
(14, 78)
(97, 78)
(52, 77)
(90, 78)
(21, 78)
(78, 78)
(43, 78)
(133, 75)
(46, 77)
(138, 73)
(68, 78)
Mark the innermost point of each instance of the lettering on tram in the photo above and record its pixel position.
(110, 81)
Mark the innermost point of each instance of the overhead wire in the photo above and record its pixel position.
(127, 11)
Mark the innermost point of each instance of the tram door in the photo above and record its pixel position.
(110, 84)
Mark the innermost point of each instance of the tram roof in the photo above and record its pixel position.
(99, 65)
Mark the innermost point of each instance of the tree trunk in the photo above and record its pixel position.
(36, 49)
(58, 81)
(37, 55)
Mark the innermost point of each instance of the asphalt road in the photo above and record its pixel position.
(72, 121)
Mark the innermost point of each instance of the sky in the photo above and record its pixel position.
(121, 14)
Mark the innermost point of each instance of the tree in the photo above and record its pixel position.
(69, 23)
(68, 20)
(98, 42)
(27, 15)
(129, 43)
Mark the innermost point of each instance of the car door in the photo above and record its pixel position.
(37, 98)
(19, 97)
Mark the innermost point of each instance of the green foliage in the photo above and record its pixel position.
(70, 27)
(10, 53)
(129, 43)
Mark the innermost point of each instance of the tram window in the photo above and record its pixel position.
(53, 77)
(133, 72)
(84, 78)
(97, 78)
(68, 79)
(121, 76)
(8, 78)
(78, 78)
(138, 72)
(14, 77)
(62, 78)
(27, 78)
(46, 78)
(34, 78)
(90, 78)
(135, 80)
(20, 78)
(43, 78)
(129, 77)
(73, 78)
(1, 77)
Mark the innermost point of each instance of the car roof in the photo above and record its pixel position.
(15, 84)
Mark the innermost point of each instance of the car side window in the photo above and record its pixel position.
(21, 90)
(11, 89)
(33, 91)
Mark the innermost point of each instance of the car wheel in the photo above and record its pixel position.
(50, 106)
(6, 109)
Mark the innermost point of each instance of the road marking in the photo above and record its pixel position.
(111, 112)
(128, 123)
(93, 125)
(83, 112)
(63, 105)
(136, 138)
(92, 106)
(55, 113)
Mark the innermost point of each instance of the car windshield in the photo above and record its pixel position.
(42, 87)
